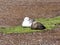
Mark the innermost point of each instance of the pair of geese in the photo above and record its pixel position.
(28, 22)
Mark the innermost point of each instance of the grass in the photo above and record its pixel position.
(48, 23)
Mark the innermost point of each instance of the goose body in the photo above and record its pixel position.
(27, 22)
(37, 26)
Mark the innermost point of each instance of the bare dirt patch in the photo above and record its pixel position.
(12, 12)
(37, 38)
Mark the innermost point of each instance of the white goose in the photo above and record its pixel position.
(27, 22)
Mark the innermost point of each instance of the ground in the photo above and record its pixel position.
(12, 13)
(47, 37)
(36, 38)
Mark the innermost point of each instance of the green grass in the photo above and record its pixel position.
(48, 23)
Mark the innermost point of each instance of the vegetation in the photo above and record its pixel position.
(49, 23)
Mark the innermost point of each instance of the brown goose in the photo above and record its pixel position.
(37, 26)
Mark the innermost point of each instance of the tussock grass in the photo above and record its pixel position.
(48, 23)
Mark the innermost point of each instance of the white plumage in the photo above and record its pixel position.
(27, 22)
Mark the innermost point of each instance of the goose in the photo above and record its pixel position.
(37, 26)
(27, 22)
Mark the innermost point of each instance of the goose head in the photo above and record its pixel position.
(26, 18)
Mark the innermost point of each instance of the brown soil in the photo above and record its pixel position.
(12, 12)
(44, 38)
